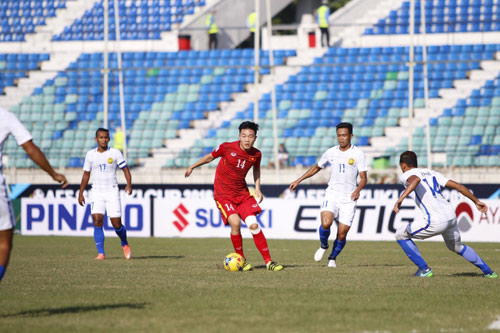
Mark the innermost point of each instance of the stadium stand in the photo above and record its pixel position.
(19, 18)
(442, 16)
(159, 100)
(167, 93)
(144, 20)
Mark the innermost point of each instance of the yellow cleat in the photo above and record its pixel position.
(247, 267)
(272, 266)
(100, 256)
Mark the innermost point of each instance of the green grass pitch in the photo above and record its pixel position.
(179, 285)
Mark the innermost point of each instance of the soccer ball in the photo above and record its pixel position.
(233, 262)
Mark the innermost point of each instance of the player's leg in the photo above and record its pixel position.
(454, 243)
(327, 218)
(6, 237)
(234, 222)
(230, 216)
(346, 209)
(99, 235)
(261, 243)
(403, 237)
(248, 209)
(114, 209)
(7, 224)
(338, 244)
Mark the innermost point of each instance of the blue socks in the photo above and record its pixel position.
(323, 237)
(2, 272)
(337, 248)
(413, 253)
(469, 254)
(122, 233)
(99, 239)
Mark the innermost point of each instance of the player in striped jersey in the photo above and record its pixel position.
(439, 215)
(101, 164)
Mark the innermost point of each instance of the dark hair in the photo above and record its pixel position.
(100, 129)
(409, 158)
(345, 125)
(250, 125)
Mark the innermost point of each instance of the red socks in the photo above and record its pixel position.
(237, 244)
(261, 243)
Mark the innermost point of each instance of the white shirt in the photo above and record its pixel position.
(346, 165)
(9, 124)
(428, 195)
(102, 168)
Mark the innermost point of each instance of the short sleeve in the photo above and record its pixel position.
(87, 163)
(219, 151)
(441, 179)
(17, 129)
(362, 162)
(120, 160)
(323, 161)
(404, 177)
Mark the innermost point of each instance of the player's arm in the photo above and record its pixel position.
(39, 158)
(413, 182)
(481, 206)
(83, 185)
(362, 183)
(309, 173)
(256, 179)
(128, 178)
(204, 160)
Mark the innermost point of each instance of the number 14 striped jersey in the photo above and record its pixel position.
(233, 168)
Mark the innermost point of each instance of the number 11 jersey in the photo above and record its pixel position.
(233, 168)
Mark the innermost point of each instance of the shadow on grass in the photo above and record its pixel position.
(467, 274)
(147, 257)
(380, 265)
(73, 309)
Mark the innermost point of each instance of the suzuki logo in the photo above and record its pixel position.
(180, 212)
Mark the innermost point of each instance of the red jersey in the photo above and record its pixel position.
(233, 168)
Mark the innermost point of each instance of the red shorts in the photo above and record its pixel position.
(243, 205)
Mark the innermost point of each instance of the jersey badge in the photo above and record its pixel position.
(351, 161)
(233, 154)
(252, 159)
(110, 160)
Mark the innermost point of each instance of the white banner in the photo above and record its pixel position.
(65, 217)
(299, 219)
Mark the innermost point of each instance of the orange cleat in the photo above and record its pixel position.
(100, 256)
(126, 252)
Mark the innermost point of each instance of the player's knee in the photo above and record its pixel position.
(456, 247)
(252, 224)
(402, 234)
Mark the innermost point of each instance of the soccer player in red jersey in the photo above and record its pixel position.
(231, 193)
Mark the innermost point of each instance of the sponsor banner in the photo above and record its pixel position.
(65, 217)
(300, 219)
(205, 191)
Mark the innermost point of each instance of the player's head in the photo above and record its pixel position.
(248, 134)
(102, 138)
(408, 160)
(344, 134)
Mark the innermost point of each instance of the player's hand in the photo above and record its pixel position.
(60, 178)
(128, 189)
(258, 196)
(481, 206)
(81, 199)
(188, 172)
(293, 185)
(355, 195)
(395, 209)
